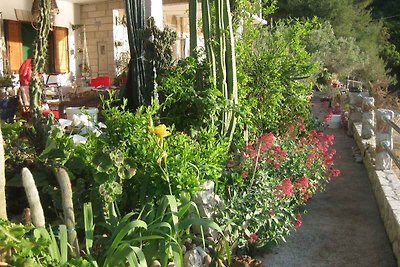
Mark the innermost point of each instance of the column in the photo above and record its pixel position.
(154, 8)
(384, 135)
(368, 117)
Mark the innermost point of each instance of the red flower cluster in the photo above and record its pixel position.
(249, 152)
(285, 189)
(328, 116)
(298, 222)
(302, 183)
(253, 238)
(265, 142)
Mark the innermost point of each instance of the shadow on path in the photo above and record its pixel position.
(343, 226)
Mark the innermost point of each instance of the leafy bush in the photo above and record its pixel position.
(19, 151)
(275, 75)
(271, 180)
(187, 96)
(339, 55)
(29, 246)
(133, 162)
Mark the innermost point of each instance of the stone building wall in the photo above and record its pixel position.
(98, 20)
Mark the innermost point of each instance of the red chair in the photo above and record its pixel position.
(101, 81)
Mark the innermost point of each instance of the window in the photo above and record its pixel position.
(20, 38)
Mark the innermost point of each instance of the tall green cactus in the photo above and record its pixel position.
(3, 203)
(136, 92)
(68, 208)
(193, 26)
(225, 62)
(206, 18)
(32, 195)
(230, 61)
(39, 66)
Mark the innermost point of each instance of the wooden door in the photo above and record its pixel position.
(61, 59)
(14, 44)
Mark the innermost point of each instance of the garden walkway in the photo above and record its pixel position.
(343, 226)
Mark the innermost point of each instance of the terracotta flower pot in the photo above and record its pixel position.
(245, 261)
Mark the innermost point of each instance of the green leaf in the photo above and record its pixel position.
(101, 177)
(128, 228)
(140, 255)
(183, 209)
(174, 209)
(132, 260)
(119, 256)
(201, 222)
(176, 253)
(89, 227)
(7, 233)
(63, 244)
(53, 247)
(102, 162)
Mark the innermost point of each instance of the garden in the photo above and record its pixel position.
(205, 161)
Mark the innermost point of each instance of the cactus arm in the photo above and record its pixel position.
(193, 26)
(231, 77)
(206, 18)
(220, 31)
(32, 195)
(68, 208)
(3, 203)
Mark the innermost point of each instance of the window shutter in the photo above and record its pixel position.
(61, 59)
(14, 44)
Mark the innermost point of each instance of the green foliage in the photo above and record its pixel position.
(185, 105)
(29, 246)
(158, 232)
(275, 75)
(19, 151)
(5, 81)
(349, 19)
(339, 55)
(130, 163)
(387, 12)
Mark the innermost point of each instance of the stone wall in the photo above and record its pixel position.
(98, 19)
(386, 187)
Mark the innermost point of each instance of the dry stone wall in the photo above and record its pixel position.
(386, 187)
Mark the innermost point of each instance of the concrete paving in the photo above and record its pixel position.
(343, 226)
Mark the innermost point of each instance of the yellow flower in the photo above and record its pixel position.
(161, 131)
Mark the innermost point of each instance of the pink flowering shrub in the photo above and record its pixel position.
(271, 181)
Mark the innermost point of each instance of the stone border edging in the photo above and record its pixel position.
(386, 188)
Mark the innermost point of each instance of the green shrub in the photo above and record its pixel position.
(35, 247)
(276, 75)
(129, 162)
(187, 96)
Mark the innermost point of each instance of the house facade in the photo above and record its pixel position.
(88, 37)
